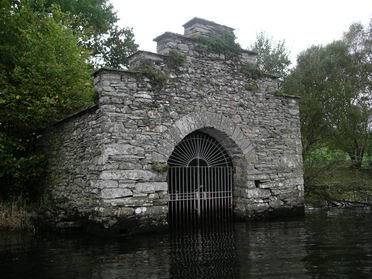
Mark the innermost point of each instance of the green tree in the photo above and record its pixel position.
(114, 49)
(95, 22)
(272, 56)
(94, 16)
(358, 40)
(43, 76)
(334, 84)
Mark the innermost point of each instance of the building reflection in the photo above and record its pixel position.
(204, 252)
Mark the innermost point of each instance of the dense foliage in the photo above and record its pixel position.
(43, 76)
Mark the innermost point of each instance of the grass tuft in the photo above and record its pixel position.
(15, 216)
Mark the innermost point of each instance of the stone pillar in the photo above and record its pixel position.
(198, 27)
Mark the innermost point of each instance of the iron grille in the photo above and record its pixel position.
(200, 180)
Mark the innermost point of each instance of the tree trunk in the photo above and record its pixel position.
(356, 157)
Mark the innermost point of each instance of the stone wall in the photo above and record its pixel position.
(145, 111)
(74, 148)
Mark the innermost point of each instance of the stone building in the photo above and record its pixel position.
(192, 103)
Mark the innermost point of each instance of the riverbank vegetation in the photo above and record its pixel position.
(331, 179)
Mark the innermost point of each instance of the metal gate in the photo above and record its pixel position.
(200, 179)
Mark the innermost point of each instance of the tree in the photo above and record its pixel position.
(43, 76)
(94, 16)
(116, 47)
(334, 83)
(272, 57)
(95, 22)
(359, 42)
(352, 134)
(307, 81)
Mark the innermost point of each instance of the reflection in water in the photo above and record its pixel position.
(204, 253)
(318, 246)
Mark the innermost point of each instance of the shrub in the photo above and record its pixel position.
(176, 59)
(224, 44)
(251, 71)
(157, 78)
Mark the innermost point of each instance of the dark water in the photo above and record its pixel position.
(327, 245)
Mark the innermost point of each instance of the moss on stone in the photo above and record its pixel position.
(251, 85)
(159, 167)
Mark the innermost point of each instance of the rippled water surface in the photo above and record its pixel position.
(320, 245)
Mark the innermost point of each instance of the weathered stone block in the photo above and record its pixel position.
(114, 193)
(143, 175)
(106, 184)
(124, 212)
(258, 193)
(150, 187)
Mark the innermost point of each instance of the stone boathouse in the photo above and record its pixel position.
(194, 122)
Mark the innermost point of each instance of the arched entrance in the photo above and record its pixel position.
(200, 181)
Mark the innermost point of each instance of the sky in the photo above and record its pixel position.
(300, 23)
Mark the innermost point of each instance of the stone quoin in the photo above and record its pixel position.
(107, 165)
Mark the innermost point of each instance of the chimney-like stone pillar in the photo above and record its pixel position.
(198, 27)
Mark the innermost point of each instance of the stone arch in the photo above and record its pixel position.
(238, 145)
(216, 125)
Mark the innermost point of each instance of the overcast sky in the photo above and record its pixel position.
(300, 23)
